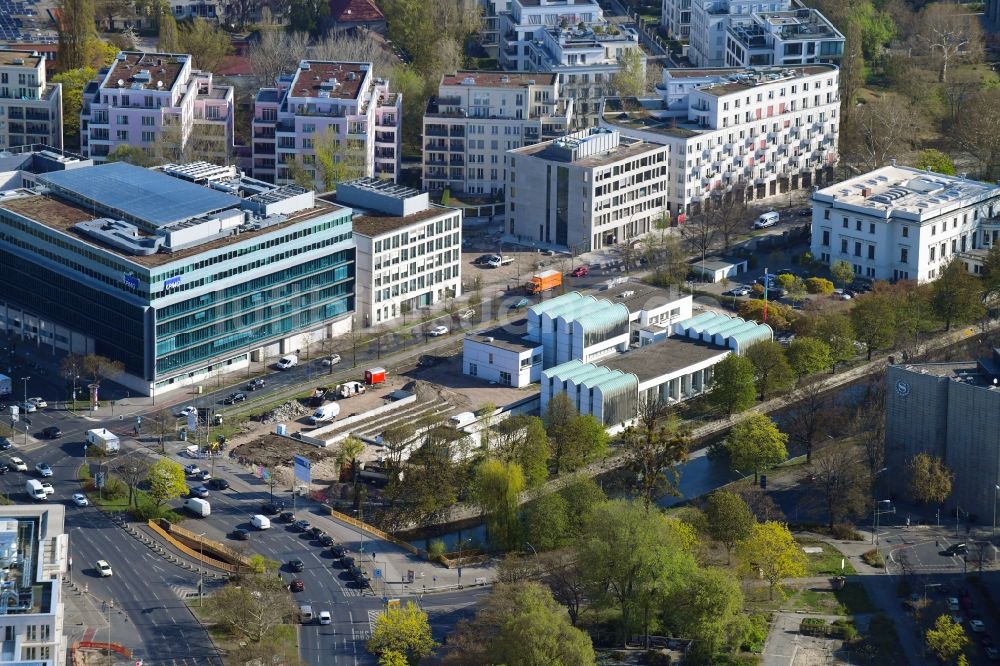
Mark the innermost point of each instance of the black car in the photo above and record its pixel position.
(355, 572)
(287, 517)
(315, 532)
(218, 484)
(240, 534)
(273, 508)
(805, 211)
(255, 384)
(338, 551)
(234, 398)
(296, 565)
(4, 468)
(325, 540)
(301, 525)
(482, 259)
(52, 432)
(347, 562)
(5, 444)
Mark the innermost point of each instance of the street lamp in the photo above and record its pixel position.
(25, 380)
(73, 408)
(360, 519)
(875, 515)
(996, 487)
(201, 570)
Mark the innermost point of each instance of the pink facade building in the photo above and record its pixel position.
(143, 98)
(339, 106)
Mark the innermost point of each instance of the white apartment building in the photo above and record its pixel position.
(34, 553)
(479, 116)
(342, 102)
(135, 100)
(795, 37)
(409, 251)
(588, 190)
(569, 38)
(31, 107)
(675, 17)
(901, 223)
(754, 133)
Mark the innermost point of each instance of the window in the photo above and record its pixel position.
(857, 249)
(826, 214)
(826, 237)
(857, 225)
(148, 137)
(906, 232)
(473, 370)
(871, 251)
(122, 135)
(932, 253)
(871, 228)
(903, 255)
(148, 121)
(505, 378)
(843, 245)
(845, 222)
(491, 359)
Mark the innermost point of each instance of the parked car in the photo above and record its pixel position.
(977, 626)
(200, 491)
(4, 468)
(80, 499)
(192, 469)
(523, 303)
(467, 313)
(347, 562)
(805, 212)
(338, 551)
(273, 508)
(953, 604)
(297, 565)
(738, 291)
(315, 532)
(257, 383)
(482, 259)
(334, 359)
(325, 540)
(992, 654)
(38, 402)
(297, 585)
(287, 517)
(428, 361)
(5, 444)
(301, 525)
(205, 475)
(218, 484)
(841, 295)
(43, 469)
(234, 398)
(103, 569)
(52, 432)
(438, 331)
(240, 534)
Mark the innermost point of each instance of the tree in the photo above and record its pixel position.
(951, 34)
(810, 416)
(756, 443)
(956, 295)
(852, 70)
(496, 490)
(99, 368)
(254, 607)
(576, 438)
(581, 496)
(771, 552)
(841, 483)
(665, 256)
(338, 159)
(522, 439)
(169, 39)
(275, 52)
(653, 449)
(630, 79)
(73, 82)
(874, 322)
(772, 373)
(991, 269)
(946, 639)
(353, 47)
(883, 128)
(936, 161)
(808, 355)
(132, 470)
(207, 44)
(836, 331)
(780, 317)
(565, 580)
(136, 155)
(392, 658)
(350, 449)
(729, 519)
(978, 134)
(309, 16)
(930, 479)
(404, 630)
(396, 439)
(166, 481)
(76, 33)
(110, 9)
(733, 387)
(842, 272)
(727, 216)
(699, 234)
(704, 607)
(546, 522)
(161, 424)
(816, 285)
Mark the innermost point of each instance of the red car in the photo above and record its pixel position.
(580, 271)
(298, 585)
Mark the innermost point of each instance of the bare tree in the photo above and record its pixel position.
(351, 47)
(978, 133)
(950, 33)
(700, 234)
(763, 507)
(276, 52)
(162, 424)
(883, 128)
(254, 607)
(727, 215)
(566, 580)
(810, 417)
(840, 479)
(132, 470)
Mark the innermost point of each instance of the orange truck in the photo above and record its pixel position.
(543, 281)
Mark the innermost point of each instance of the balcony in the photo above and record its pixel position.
(457, 131)
(456, 160)
(435, 130)
(263, 149)
(15, 114)
(457, 146)
(436, 145)
(263, 133)
(435, 162)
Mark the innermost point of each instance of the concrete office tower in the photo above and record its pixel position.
(31, 107)
(478, 116)
(143, 98)
(339, 103)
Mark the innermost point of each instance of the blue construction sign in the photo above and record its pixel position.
(378, 573)
(303, 469)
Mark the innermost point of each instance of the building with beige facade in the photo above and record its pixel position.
(30, 106)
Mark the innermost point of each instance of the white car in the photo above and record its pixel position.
(29, 407)
(438, 331)
(18, 464)
(841, 295)
(43, 470)
(334, 359)
(47, 487)
(80, 499)
(192, 470)
(738, 291)
(953, 604)
(468, 313)
(103, 568)
(38, 402)
(190, 409)
(324, 617)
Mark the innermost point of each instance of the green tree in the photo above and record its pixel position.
(946, 639)
(404, 630)
(755, 443)
(348, 453)
(816, 285)
(838, 334)
(936, 161)
(842, 272)
(771, 552)
(728, 519)
(136, 155)
(653, 449)
(576, 438)
(73, 81)
(254, 607)
(76, 33)
(779, 316)
(704, 607)
(956, 295)
(630, 79)
(991, 269)
(207, 44)
(874, 322)
(733, 387)
(392, 658)
(169, 40)
(930, 479)
(338, 160)
(496, 490)
(166, 481)
(546, 522)
(522, 439)
(308, 16)
(808, 356)
(581, 497)
(772, 373)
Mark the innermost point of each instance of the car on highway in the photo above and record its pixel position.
(28, 407)
(325, 540)
(297, 585)
(18, 464)
(296, 565)
(183, 413)
(438, 331)
(301, 525)
(240, 534)
(324, 617)
(5, 444)
(52, 432)
(257, 383)
(287, 517)
(192, 469)
(47, 487)
(333, 359)
(956, 549)
(218, 484)
(103, 568)
(43, 469)
(205, 475)
(80, 499)
(200, 491)
(338, 551)
(38, 402)
(272, 508)
(234, 398)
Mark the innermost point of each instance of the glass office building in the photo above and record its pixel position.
(180, 273)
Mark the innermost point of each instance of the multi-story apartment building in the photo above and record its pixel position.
(569, 38)
(588, 190)
(900, 223)
(181, 273)
(675, 17)
(341, 106)
(156, 101)
(479, 116)
(796, 37)
(710, 20)
(34, 554)
(489, 35)
(31, 107)
(409, 251)
(751, 132)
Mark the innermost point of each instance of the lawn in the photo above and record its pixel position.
(850, 600)
(826, 563)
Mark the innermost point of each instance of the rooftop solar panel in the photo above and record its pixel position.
(140, 194)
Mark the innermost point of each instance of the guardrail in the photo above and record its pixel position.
(97, 645)
(374, 531)
(194, 554)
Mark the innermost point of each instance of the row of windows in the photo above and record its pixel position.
(403, 239)
(416, 284)
(432, 262)
(418, 251)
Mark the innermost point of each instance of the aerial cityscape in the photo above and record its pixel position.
(499, 332)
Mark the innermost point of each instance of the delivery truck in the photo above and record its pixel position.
(103, 440)
(198, 507)
(5, 385)
(543, 281)
(325, 413)
(374, 376)
(35, 491)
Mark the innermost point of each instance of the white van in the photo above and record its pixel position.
(305, 613)
(35, 490)
(325, 413)
(287, 361)
(260, 522)
(766, 220)
(198, 507)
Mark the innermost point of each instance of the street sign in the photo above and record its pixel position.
(392, 603)
(378, 573)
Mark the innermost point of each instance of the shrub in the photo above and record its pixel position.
(815, 285)
(114, 489)
(873, 559)
(844, 629)
(436, 549)
(846, 532)
(756, 633)
(813, 626)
